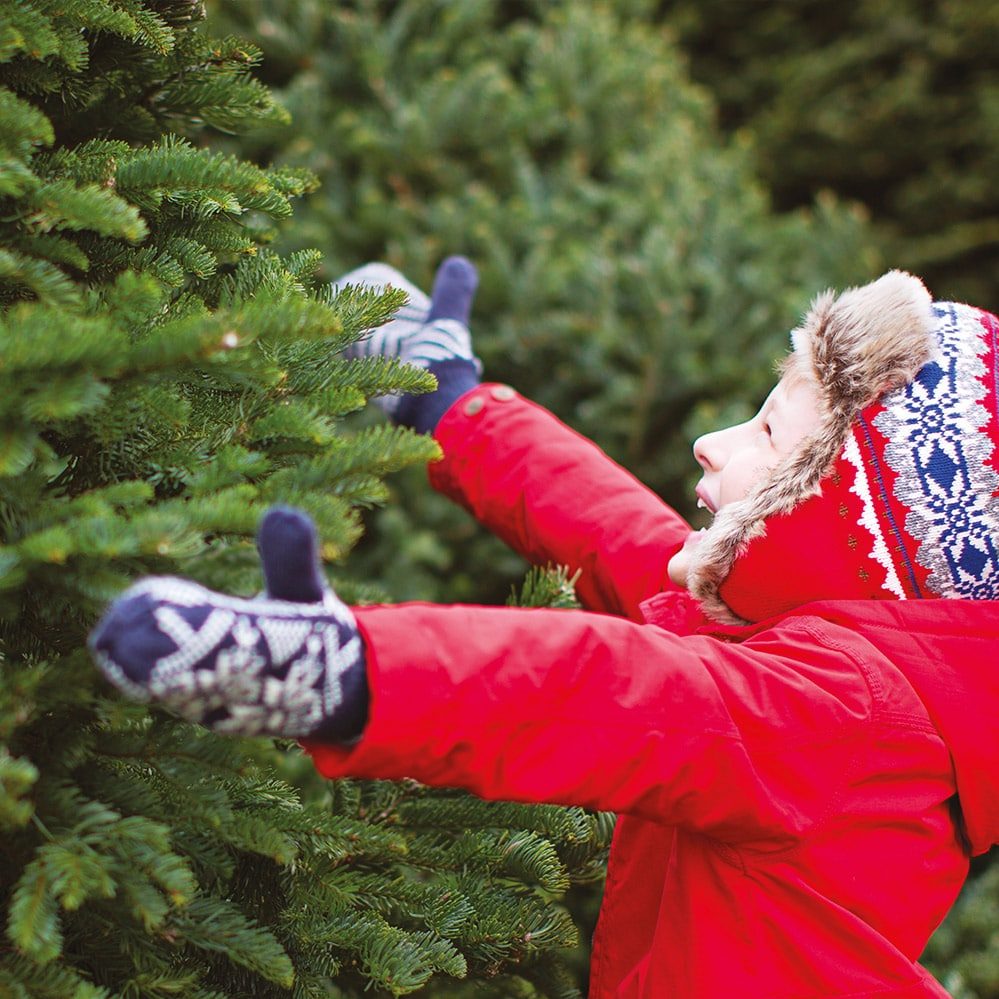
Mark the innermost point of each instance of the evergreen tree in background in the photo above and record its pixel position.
(633, 277)
(164, 377)
(964, 953)
(892, 102)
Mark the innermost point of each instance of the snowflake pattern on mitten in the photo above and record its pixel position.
(241, 666)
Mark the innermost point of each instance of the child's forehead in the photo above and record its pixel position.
(796, 393)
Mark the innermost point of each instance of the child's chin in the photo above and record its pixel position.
(679, 564)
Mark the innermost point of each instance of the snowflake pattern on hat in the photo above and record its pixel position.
(247, 666)
(939, 451)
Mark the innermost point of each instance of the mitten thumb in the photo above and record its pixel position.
(454, 289)
(289, 554)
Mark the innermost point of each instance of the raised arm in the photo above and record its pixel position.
(554, 496)
(545, 490)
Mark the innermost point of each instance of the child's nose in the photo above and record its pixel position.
(708, 452)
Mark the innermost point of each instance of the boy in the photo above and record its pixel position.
(792, 712)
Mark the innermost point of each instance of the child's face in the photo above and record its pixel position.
(736, 458)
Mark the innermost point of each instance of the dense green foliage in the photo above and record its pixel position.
(634, 278)
(168, 367)
(892, 102)
(164, 376)
(964, 953)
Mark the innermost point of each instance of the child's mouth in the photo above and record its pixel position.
(704, 500)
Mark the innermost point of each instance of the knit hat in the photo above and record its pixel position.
(896, 494)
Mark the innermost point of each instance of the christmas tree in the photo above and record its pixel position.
(165, 376)
(634, 278)
(890, 103)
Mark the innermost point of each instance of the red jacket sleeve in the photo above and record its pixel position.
(747, 742)
(554, 496)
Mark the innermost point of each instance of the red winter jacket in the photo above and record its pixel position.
(785, 791)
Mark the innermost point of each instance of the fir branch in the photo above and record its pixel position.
(211, 924)
(376, 450)
(25, 126)
(319, 370)
(31, 980)
(93, 162)
(94, 15)
(361, 309)
(23, 274)
(17, 777)
(15, 178)
(148, 28)
(55, 249)
(24, 29)
(547, 586)
(61, 204)
(33, 920)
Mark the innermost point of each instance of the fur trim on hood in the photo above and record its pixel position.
(855, 346)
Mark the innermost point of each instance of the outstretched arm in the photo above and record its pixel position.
(549, 493)
(554, 496)
(534, 705)
(571, 707)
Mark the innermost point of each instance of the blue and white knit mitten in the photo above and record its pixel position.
(288, 663)
(431, 333)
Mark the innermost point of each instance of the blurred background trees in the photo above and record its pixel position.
(634, 276)
(893, 103)
(652, 191)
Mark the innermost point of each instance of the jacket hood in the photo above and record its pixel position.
(853, 347)
(949, 651)
(895, 494)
